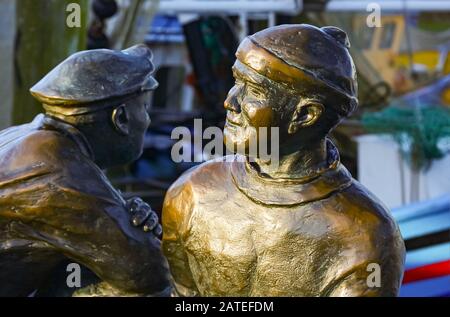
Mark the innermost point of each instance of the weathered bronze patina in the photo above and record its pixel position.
(56, 202)
(304, 227)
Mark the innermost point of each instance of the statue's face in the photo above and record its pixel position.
(250, 106)
(255, 103)
(130, 121)
(117, 135)
(137, 125)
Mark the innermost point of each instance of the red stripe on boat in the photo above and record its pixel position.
(427, 271)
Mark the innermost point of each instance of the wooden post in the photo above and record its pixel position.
(7, 33)
(42, 41)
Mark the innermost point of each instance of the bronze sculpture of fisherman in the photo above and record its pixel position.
(55, 201)
(304, 228)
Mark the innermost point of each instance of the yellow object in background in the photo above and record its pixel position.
(429, 59)
(445, 96)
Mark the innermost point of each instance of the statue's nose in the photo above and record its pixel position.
(231, 103)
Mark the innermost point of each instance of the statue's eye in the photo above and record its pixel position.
(254, 90)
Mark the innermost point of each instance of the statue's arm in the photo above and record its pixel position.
(378, 275)
(175, 217)
(354, 284)
(66, 201)
(87, 224)
(361, 283)
(375, 267)
(125, 257)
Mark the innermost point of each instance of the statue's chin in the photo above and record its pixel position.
(124, 156)
(235, 142)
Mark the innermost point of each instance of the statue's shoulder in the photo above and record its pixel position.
(362, 225)
(25, 145)
(194, 185)
(30, 152)
(371, 210)
(365, 215)
(209, 173)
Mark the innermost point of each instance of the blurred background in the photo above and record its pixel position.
(397, 143)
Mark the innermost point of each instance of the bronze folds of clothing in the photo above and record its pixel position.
(55, 203)
(230, 232)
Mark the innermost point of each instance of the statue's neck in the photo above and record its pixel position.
(302, 163)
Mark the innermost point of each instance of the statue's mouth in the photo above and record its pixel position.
(231, 123)
(232, 119)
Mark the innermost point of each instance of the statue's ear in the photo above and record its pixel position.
(307, 112)
(121, 119)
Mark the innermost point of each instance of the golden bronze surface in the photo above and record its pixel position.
(241, 227)
(56, 203)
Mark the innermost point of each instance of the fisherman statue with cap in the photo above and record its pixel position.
(241, 227)
(55, 201)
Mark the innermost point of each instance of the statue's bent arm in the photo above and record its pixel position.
(80, 215)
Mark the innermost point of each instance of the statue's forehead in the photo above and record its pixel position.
(242, 72)
(245, 73)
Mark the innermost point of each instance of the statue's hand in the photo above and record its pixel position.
(143, 216)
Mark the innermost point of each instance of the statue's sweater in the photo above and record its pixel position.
(230, 232)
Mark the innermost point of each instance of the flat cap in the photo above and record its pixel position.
(91, 76)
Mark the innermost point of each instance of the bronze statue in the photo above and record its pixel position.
(304, 228)
(56, 202)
